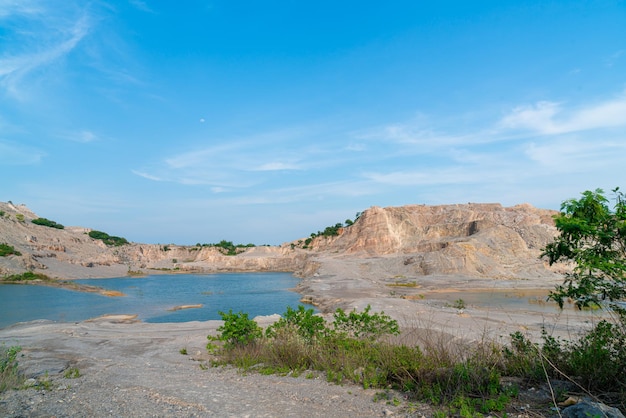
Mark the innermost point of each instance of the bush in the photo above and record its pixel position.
(108, 239)
(27, 276)
(9, 375)
(364, 325)
(304, 322)
(351, 349)
(6, 249)
(47, 222)
(228, 248)
(238, 330)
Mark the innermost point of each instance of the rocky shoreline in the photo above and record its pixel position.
(396, 260)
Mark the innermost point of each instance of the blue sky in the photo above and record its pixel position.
(197, 121)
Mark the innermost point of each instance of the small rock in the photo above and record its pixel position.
(588, 408)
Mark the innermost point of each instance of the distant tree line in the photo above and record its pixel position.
(227, 247)
(331, 231)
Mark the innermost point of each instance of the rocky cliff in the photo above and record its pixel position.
(476, 240)
(466, 239)
(71, 253)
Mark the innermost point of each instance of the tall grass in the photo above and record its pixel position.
(10, 378)
(458, 377)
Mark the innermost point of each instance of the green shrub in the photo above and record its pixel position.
(27, 276)
(351, 348)
(228, 248)
(9, 375)
(237, 330)
(48, 223)
(6, 249)
(364, 325)
(19, 217)
(304, 321)
(108, 239)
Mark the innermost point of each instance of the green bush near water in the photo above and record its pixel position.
(355, 347)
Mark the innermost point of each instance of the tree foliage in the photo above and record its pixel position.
(593, 237)
(48, 223)
(108, 239)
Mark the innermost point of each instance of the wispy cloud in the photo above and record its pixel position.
(276, 166)
(37, 45)
(146, 175)
(530, 144)
(551, 118)
(19, 7)
(84, 136)
(141, 5)
(566, 154)
(16, 154)
(239, 163)
(616, 56)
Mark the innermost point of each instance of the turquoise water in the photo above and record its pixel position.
(151, 297)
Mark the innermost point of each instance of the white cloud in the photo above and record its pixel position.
(37, 48)
(276, 166)
(80, 136)
(610, 61)
(141, 5)
(550, 118)
(19, 7)
(15, 154)
(570, 154)
(146, 175)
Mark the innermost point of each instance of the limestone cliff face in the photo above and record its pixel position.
(71, 253)
(469, 239)
(485, 240)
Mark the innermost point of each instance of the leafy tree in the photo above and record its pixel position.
(593, 237)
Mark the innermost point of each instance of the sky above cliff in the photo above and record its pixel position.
(261, 122)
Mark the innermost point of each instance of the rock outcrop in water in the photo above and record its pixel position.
(475, 240)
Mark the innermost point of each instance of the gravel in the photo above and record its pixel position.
(137, 370)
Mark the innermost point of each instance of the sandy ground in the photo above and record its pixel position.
(136, 369)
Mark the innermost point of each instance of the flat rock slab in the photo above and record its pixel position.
(136, 369)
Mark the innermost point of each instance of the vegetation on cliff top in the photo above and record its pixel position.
(108, 239)
(47, 222)
(329, 231)
(227, 247)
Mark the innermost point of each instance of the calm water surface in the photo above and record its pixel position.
(151, 297)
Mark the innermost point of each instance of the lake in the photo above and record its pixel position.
(152, 297)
